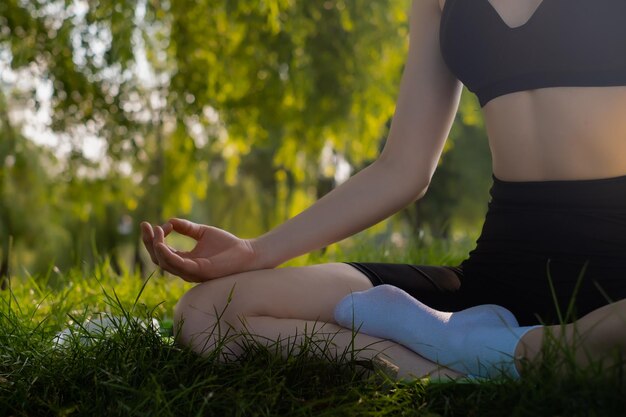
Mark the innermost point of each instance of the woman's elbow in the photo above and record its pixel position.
(410, 180)
(421, 191)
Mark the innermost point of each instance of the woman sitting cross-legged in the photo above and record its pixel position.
(550, 77)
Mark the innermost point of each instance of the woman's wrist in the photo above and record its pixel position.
(264, 255)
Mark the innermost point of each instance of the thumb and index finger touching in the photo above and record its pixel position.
(149, 234)
(182, 226)
(186, 227)
(175, 262)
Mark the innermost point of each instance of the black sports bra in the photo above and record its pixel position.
(564, 43)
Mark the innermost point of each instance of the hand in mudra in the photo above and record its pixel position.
(217, 253)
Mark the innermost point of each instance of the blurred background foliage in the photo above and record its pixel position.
(237, 113)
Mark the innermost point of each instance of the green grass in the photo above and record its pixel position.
(138, 371)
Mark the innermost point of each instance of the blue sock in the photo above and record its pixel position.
(479, 341)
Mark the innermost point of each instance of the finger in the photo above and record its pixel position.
(147, 235)
(162, 253)
(146, 231)
(160, 238)
(187, 228)
(175, 264)
(181, 253)
(167, 228)
(159, 235)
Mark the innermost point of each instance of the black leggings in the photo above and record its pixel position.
(549, 251)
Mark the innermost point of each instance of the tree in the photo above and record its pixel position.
(232, 99)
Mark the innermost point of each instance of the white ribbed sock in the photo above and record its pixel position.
(480, 340)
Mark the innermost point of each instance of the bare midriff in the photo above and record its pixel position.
(558, 133)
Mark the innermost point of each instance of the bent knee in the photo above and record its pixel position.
(205, 313)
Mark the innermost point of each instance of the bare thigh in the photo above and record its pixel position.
(305, 293)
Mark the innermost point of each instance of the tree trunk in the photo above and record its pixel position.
(138, 263)
(4, 267)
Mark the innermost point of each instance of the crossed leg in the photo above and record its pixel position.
(280, 303)
(485, 340)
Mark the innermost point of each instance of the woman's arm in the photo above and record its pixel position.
(427, 102)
